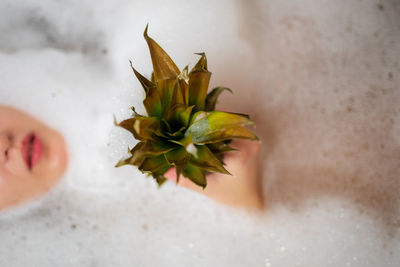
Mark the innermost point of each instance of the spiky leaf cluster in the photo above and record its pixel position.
(182, 128)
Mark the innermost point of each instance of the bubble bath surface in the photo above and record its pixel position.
(320, 78)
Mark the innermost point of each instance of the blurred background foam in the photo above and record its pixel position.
(320, 78)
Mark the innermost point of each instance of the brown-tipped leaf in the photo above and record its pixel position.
(182, 129)
(135, 158)
(201, 65)
(142, 128)
(146, 84)
(146, 149)
(164, 67)
(199, 79)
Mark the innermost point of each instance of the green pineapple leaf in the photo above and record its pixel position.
(181, 129)
(146, 149)
(163, 66)
(220, 148)
(205, 159)
(152, 102)
(215, 126)
(156, 166)
(179, 158)
(135, 158)
(199, 78)
(146, 84)
(196, 175)
(211, 99)
(142, 128)
(166, 91)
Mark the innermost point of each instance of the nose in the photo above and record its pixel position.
(5, 144)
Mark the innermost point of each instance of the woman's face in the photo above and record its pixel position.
(32, 157)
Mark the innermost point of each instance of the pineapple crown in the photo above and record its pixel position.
(182, 128)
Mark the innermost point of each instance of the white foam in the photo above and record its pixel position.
(320, 79)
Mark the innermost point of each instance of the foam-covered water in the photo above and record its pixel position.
(320, 78)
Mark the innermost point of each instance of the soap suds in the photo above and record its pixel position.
(319, 79)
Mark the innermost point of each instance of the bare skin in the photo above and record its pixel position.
(243, 188)
(32, 157)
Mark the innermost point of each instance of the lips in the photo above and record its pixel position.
(31, 149)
